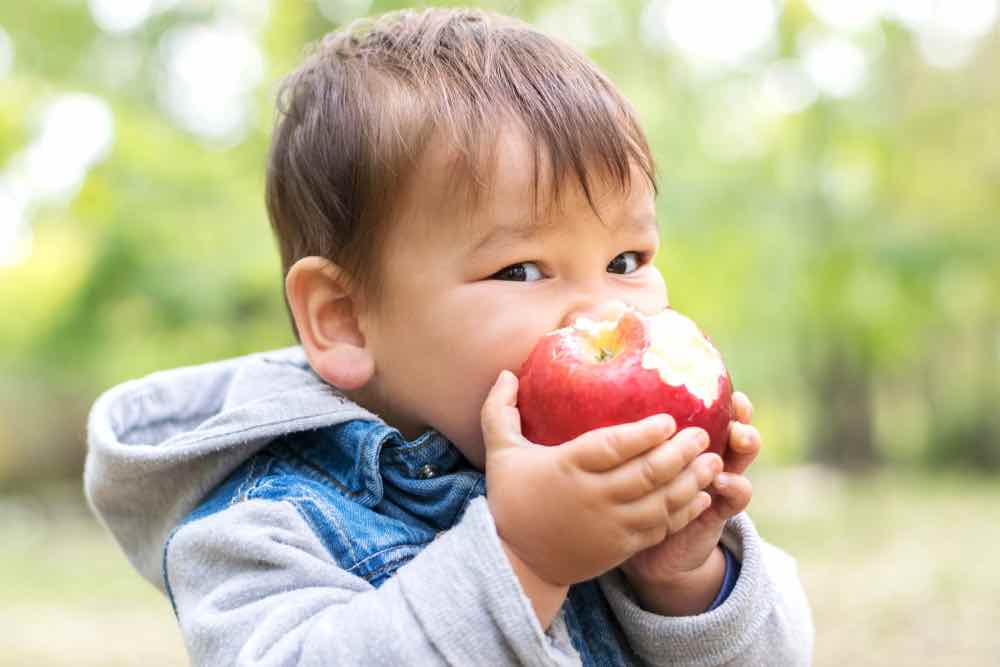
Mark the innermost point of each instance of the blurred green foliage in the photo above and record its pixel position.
(843, 256)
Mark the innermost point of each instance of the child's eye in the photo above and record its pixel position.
(520, 272)
(626, 262)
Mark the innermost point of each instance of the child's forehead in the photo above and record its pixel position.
(507, 182)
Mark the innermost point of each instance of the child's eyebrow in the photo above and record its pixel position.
(510, 233)
(507, 234)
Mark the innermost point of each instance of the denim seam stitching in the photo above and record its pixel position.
(398, 454)
(262, 479)
(465, 503)
(288, 452)
(245, 486)
(391, 565)
(257, 483)
(379, 553)
(324, 476)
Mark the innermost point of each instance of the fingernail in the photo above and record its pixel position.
(501, 378)
(702, 439)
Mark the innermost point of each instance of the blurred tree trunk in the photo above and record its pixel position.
(963, 419)
(844, 429)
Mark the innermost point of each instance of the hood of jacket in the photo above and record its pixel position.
(157, 445)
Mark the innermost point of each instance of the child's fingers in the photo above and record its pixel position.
(691, 511)
(691, 480)
(607, 448)
(649, 515)
(744, 445)
(744, 439)
(733, 493)
(649, 472)
(743, 407)
(500, 418)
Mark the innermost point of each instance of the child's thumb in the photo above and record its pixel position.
(501, 420)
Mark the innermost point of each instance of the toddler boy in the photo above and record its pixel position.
(445, 186)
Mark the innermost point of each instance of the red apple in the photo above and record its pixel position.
(594, 374)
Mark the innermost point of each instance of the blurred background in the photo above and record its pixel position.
(830, 193)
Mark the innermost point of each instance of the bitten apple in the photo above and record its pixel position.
(600, 373)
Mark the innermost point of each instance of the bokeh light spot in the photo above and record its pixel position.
(120, 15)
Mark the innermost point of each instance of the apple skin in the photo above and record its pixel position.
(563, 393)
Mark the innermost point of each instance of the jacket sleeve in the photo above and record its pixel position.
(253, 585)
(765, 620)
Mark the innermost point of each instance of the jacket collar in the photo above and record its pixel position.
(357, 454)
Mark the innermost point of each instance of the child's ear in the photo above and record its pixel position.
(326, 316)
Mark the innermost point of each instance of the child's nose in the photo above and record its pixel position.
(599, 311)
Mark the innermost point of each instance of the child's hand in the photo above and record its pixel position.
(681, 554)
(575, 511)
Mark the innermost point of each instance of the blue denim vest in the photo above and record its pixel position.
(375, 500)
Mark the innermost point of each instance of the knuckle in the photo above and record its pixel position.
(616, 436)
(647, 473)
(665, 515)
(678, 505)
(562, 465)
(676, 500)
(610, 446)
(641, 523)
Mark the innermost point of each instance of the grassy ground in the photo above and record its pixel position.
(900, 570)
(69, 595)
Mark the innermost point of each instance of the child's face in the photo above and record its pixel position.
(448, 323)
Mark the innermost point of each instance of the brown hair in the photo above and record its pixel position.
(354, 118)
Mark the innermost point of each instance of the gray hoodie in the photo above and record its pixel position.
(289, 526)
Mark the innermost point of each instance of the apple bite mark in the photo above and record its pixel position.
(698, 368)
